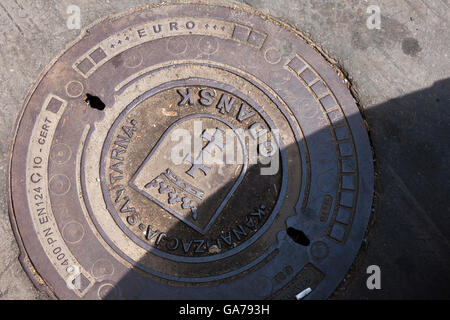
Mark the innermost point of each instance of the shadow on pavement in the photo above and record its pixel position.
(409, 233)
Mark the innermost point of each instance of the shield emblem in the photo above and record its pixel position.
(196, 187)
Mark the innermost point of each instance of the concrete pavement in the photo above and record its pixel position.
(400, 74)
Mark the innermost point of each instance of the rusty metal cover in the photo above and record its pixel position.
(190, 151)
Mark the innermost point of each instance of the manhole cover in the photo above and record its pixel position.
(190, 151)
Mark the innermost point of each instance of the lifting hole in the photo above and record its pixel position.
(298, 236)
(94, 102)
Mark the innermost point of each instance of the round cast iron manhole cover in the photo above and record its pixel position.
(190, 151)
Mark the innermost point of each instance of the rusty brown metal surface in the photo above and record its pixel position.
(101, 208)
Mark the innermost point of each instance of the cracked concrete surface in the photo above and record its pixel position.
(399, 73)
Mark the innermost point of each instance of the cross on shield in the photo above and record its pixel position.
(196, 190)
